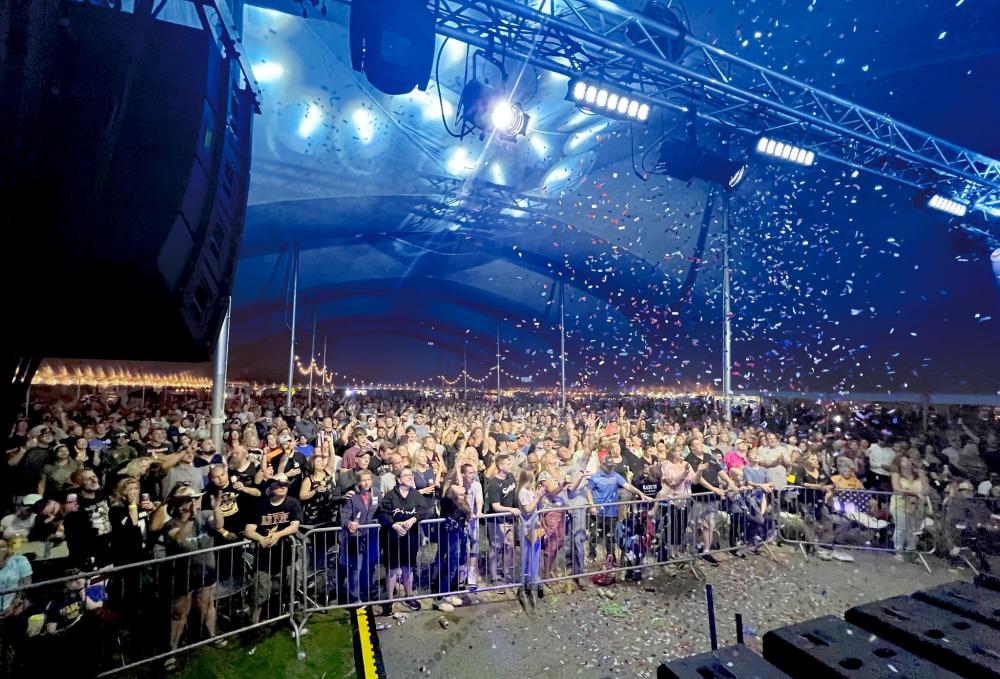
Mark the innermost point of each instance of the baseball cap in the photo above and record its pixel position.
(185, 491)
(284, 438)
(278, 480)
(30, 499)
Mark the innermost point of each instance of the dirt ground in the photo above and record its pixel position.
(585, 634)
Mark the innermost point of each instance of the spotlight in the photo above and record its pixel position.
(671, 47)
(600, 99)
(490, 110)
(995, 262)
(782, 151)
(684, 159)
(947, 205)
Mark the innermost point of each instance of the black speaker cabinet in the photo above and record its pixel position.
(964, 646)
(966, 599)
(831, 648)
(731, 662)
(126, 191)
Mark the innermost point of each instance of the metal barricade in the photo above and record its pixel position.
(628, 536)
(969, 532)
(857, 519)
(122, 617)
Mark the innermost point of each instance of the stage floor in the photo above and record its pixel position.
(583, 634)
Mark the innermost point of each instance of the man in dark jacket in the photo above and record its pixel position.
(359, 551)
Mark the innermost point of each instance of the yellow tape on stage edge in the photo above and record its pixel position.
(367, 650)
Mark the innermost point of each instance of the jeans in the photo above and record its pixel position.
(575, 558)
(359, 556)
(451, 555)
(531, 548)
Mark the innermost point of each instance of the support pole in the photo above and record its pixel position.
(562, 346)
(312, 356)
(291, 347)
(727, 337)
(498, 364)
(465, 371)
(219, 370)
(323, 388)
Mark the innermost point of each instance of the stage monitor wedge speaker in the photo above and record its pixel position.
(964, 646)
(128, 185)
(966, 599)
(731, 662)
(830, 648)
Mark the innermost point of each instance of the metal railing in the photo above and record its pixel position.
(131, 615)
(143, 612)
(857, 519)
(969, 532)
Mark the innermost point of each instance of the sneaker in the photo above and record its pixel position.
(170, 664)
(412, 604)
(541, 591)
(473, 583)
(455, 601)
(843, 556)
(709, 559)
(443, 605)
(581, 584)
(824, 554)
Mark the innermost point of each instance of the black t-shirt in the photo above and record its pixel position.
(709, 474)
(648, 485)
(247, 476)
(501, 491)
(811, 495)
(235, 506)
(270, 518)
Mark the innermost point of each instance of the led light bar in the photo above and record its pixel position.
(952, 207)
(782, 151)
(603, 100)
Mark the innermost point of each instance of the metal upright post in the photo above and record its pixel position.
(324, 365)
(727, 338)
(291, 347)
(498, 364)
(219, 371)
(562, 345)
(312, 356)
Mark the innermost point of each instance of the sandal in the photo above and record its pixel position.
(170, 664)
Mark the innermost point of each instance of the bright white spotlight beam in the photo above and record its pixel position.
(947, 205)
(782, 151)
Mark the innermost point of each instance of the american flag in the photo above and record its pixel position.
(851, 501)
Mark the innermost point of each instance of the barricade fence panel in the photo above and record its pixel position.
(857, 519)
(121, 617)
(970, 531)
(130, 615)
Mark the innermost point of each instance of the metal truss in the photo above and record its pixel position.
(589, 38)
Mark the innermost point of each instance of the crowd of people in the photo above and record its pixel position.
(101, 484)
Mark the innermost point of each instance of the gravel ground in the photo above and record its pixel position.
(588, 634)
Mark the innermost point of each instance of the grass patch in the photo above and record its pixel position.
(328, 646)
